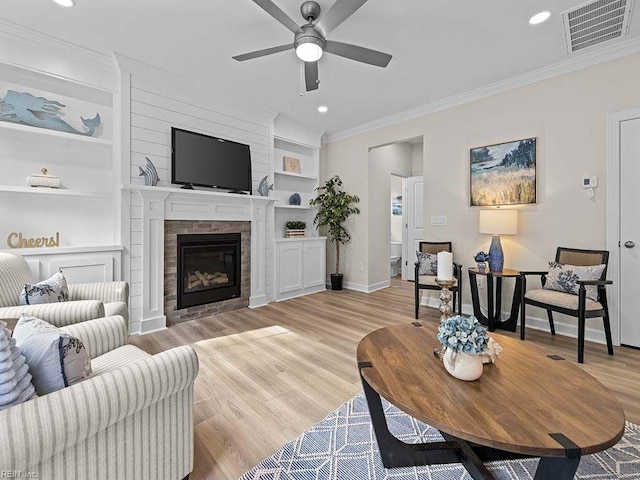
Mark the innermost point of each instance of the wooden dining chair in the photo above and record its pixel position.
(428, 282)
(579, 305)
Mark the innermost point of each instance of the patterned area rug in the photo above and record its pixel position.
(343, 447)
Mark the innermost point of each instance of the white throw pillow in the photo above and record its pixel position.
(427, 263)
(15, 380)
(564, 278)
(56, 359)
(51, 290)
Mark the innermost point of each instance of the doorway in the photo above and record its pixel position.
(623, 229)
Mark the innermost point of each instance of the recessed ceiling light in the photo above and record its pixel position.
(539, 18)
(323, 109)
(65, 3)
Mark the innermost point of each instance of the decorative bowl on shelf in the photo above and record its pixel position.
(43, 180)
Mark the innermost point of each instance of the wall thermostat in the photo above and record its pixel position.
(590, 182)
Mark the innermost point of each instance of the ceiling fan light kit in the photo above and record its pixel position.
(310, 41)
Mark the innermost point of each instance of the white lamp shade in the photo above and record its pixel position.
(499, 222)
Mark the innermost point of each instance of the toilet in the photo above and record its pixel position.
(395, 252)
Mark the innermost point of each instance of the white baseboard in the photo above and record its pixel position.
(562, 328)
(258, 301)
(149, 325)
(358, 287)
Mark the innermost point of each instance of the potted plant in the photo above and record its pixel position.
(465, 340)
(335, 206)
(481, 259)
(295, 229)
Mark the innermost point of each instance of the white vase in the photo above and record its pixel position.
(463, 366)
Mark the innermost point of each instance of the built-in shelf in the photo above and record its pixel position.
(296, 207)
(295, 175)
(67, 249)
(29, 130)
(52, 191)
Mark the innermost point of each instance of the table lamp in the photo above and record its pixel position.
(498, 222)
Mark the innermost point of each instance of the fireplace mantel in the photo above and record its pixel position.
(170, 203)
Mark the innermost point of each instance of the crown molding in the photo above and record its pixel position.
(38, 39)
(575, 62)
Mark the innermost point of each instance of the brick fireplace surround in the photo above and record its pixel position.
(173, 228)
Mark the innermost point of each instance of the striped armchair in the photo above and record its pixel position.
(132, 419)
(86, 301)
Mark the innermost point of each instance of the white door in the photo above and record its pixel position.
(414, 220)
(629, 232)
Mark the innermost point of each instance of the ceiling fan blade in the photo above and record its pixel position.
(263, 53)
(275, 11)
(338, 13)
(311, 75)
(359, 54)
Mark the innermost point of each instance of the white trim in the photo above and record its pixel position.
(150, 325)
(358, 287)
(574, 62)
(258, 301)
(613, 213)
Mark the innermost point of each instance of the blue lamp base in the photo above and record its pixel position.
(496, 256)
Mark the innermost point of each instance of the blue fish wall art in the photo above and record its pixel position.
(27, 109)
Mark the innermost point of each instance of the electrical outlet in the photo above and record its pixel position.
(361, 267)
(480, 281)
(439, 220)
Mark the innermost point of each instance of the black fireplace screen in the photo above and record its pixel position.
(208, 268)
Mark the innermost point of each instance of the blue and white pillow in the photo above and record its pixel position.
(52, 290)
(427, 263)
(56, 359)
(564, 278)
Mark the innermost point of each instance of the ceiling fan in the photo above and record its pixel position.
(309, 40)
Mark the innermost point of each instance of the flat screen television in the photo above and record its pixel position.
(206, 161)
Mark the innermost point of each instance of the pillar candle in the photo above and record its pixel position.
(445, 266)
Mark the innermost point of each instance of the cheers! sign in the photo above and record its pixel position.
(16, 240)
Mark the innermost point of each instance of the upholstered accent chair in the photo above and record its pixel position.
(131, 419)
(578, 306)
(86, 301)
(428, 282)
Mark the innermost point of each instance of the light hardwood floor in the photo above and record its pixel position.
(268, 374)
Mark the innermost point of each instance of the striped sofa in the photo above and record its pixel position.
(86, 301)
(132, 419)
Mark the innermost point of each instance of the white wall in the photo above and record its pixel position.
(566, 113)
(417, 159)
(382, 162)
(396, 220)
(154, 101)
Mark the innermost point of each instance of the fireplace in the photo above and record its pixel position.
(208, 268)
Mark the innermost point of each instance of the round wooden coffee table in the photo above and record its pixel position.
(527, 404)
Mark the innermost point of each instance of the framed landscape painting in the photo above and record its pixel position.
(503, 174)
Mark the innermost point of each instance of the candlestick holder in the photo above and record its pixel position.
(445, 306)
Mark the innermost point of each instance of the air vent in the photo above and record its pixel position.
(595, 22)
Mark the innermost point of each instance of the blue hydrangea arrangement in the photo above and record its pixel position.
(481, 257)
(463, 334)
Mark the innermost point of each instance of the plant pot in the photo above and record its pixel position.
(482, 266)
(336, 281)
(463, 366)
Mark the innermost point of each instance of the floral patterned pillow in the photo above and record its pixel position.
(564, 278)
(427, 263)
(51, 290)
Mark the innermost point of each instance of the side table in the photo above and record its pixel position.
(494, 301)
